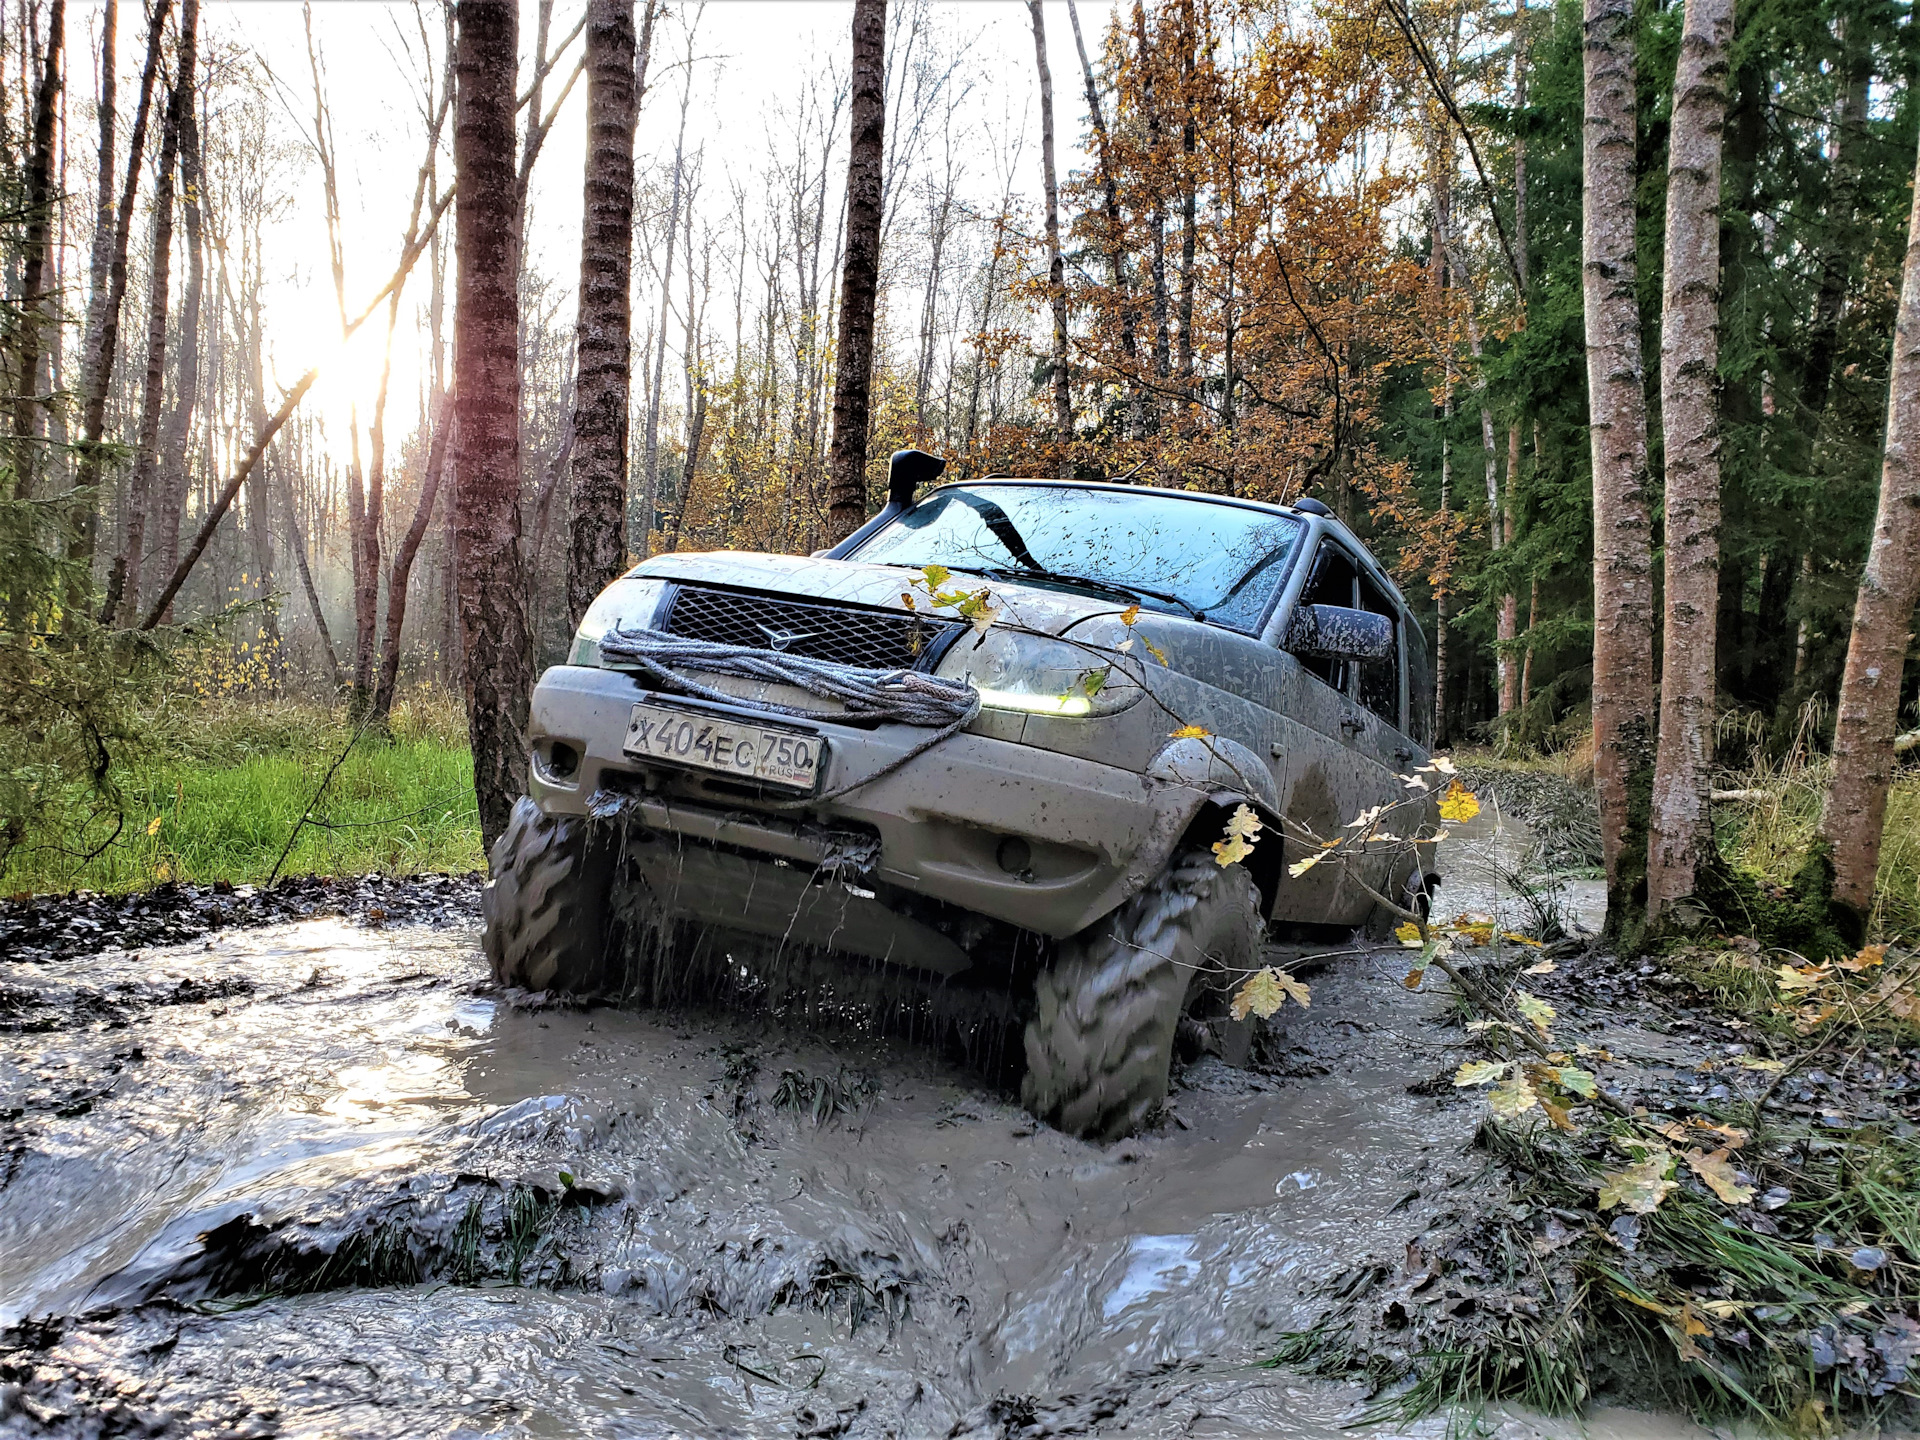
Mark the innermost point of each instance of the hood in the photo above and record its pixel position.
(1039, 608)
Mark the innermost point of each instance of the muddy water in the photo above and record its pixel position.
(925, 1262)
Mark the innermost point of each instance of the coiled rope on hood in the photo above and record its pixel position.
(906, 697)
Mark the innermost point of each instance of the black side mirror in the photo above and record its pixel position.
(1343, 633)
(907, 471)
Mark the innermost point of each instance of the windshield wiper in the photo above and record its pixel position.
(1108, 587)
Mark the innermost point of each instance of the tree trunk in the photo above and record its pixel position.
(1864, 723)
(1506, 628)
(1682, 832)
(859, 274)
(27, 404)
(650, 492)
(298, 544)
(146, 460)
(496, 639)
(1056, 268)
(403, 558)
(603, 374)
(1116, 237)
(173, 452)
(102, 341)
(1616, 397)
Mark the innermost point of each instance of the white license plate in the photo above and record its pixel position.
(726, 747)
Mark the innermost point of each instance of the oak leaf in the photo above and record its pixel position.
(1640, 1187)
(1479, 1072)
(1535, 1011)
(1514, 1096)
(1242, 834)
(1266, 991)
(1719, 1175)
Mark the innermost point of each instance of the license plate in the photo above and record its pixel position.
(726, 747)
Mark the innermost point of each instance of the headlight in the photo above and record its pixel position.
(1016, 671)
(631, 600)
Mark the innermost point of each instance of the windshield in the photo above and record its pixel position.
(1223, 561)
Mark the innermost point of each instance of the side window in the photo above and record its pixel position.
(1380, 679)
(1331, 583)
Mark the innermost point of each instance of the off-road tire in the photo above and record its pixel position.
(545, 908)
(1100, 1043)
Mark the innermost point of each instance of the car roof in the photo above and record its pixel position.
(1328, 521)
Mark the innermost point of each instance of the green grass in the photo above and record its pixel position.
(215, 791)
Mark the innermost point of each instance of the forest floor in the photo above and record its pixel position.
(278, 1163)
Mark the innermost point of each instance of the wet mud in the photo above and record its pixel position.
(316, 1178)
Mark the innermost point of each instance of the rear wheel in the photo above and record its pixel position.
(1100, 1043)
(546, 906)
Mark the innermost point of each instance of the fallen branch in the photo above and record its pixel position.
(408, 257)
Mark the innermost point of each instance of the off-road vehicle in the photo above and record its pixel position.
(990, 739)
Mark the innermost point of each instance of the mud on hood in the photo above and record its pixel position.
(1038, 608)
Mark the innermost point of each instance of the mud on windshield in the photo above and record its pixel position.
(1209, 559)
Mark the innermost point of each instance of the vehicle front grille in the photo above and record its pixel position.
(845, 634)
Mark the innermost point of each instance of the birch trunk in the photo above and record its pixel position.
(1682, 832)
(174, 449)
(859, 275)
(1864, 723)
(1056, 267)
(597, 502)
(496, 640)
(27, 404)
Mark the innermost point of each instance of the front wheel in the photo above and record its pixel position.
(545, 906)
(1100, 1044)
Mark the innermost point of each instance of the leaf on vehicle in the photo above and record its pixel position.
(1266, 991)
(1365, 819)
(1719, 1175)
(1580, 1082)
(1092, 682)
(1640, 1187)
(906, 599)
(1480, 1072)
(1539, 967)
(1154, 650)
(936, 576)
(1243, 833)
(1802, 977)
(1415, 782)
(1300, 867)
(1409, 934)
(153, 825)
(1868, 957)
(1459, 803)
(1190, 732)
(1535, 1011)
(1514, 1096)
(977, 610)
(1130, 614)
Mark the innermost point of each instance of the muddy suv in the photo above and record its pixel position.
(990, 740)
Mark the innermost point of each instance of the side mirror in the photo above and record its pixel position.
(1343, 633)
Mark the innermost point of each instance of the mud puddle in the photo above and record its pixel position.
(309, 1179)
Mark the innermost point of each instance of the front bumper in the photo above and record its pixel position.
(1094, 834)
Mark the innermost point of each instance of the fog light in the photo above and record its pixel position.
(562, 760)
(1015, 855)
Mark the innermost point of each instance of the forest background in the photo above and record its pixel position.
(1333, 250)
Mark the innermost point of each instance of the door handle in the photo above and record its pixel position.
(1352, 723)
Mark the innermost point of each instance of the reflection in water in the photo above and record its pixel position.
(930, 1248)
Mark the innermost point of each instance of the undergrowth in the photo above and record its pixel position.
(213, 790)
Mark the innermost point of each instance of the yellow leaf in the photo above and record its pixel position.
(1535, 1011)
(1520, 939)
(1190, 732)
(1130, 614)
(1479, 1072)
(1154, 650)
(1458, 804)
(1757, 1062)
(936, 576)
(1300, 867)
(1243, 833)
(1513, 1096)
(1868, 957)
(1640, 1187)
(1719, 1174)
(1561, 1117)
(153, 826)
(1265, 992)
(1409, 934)
(1804, 977)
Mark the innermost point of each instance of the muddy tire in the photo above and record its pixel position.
(545, 907)
(1100, 1043)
